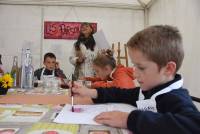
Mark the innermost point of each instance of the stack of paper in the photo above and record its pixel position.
(87, 113)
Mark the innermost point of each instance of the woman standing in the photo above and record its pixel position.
(83, 52)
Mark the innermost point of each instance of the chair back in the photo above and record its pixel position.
(120, 52)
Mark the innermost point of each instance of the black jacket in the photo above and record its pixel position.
(58, 73)
(176, 112)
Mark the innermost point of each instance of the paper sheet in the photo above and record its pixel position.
(88, 112)
(101, 40)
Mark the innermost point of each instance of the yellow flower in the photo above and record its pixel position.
(6, 81)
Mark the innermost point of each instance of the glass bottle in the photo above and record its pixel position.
(25, 55)
(29, 74)
(15, 72)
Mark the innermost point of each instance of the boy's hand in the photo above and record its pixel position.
(113, 118)
(80, 90)
(57, 65)
(80, 60)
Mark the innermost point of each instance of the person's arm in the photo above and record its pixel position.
(118, 95)
(37, 73)
(82, 91)
(113, 118)
(74, 58)
(92, 79)
(59, 73)
(177, 116)
(105, 95)
(157, 122)
(121, 80)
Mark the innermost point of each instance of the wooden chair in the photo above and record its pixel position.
(118, 55)
(196, 99)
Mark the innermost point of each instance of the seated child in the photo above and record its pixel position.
(163, 105)
(51, 68)
(1, 69)
(109, 74)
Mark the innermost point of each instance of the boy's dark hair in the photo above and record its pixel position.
(50, 55)
(160, 44)
(89, 42)
(105, 57)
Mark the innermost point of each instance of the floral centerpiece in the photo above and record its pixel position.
(6, 82)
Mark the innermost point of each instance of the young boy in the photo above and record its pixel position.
(51, 68)
(164, 106)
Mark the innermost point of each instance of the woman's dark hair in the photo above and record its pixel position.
(89, 42)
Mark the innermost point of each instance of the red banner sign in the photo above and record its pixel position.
(63, 30)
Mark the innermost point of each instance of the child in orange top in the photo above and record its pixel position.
(110, 75)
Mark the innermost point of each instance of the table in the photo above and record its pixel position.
(83, 128)
(52, 99)
(39, 96)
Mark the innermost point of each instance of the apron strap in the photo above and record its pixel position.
(42, 73)
(174, 86)
(141, 96)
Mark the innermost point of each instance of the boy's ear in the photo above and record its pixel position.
(44, 63)
(170, 68)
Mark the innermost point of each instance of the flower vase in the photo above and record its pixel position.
(3, 91)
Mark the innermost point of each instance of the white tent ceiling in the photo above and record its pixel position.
(131, 4)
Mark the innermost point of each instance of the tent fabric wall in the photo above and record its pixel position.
(185, 15)
(20, 26)
(23, 25)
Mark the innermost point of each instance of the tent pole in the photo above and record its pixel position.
(146, 13)
(42, 37)
(146, 10)
(151, 3)
(146, 17)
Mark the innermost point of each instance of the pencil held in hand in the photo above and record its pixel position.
(72, 94)
(72, 104)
